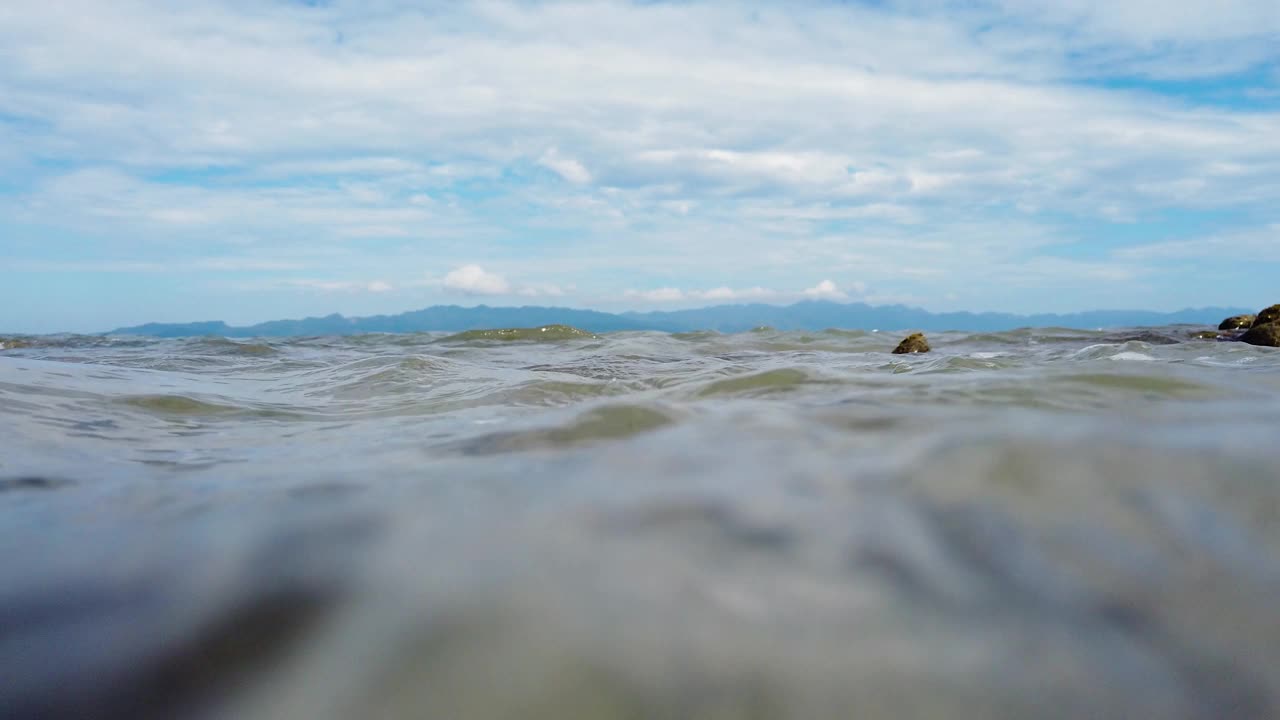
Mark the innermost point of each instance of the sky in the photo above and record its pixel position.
(248, 160)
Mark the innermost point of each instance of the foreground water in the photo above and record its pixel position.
(1039, 523)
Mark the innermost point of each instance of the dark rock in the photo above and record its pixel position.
(1268, 335)
(1268, 316)
(545, 333)
(34, 482)
(1236, 322)
(913, 343)
(1147, 336)
(1204, 335)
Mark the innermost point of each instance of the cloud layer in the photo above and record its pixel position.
(1029, 155)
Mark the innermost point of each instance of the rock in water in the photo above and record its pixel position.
(1268, 316)
(1237, 322)
(1268, 335)
(544, 333)
(913, 343)
(1204, 334)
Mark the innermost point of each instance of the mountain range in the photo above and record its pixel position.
(807, 315)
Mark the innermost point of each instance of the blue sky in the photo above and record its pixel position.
(247, 160)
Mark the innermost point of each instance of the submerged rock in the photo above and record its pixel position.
(13, 343)
(1268, 335)
(1204, 334)
(31, 482)
(1267, 316)
(1145, 336)
(1236, 322)
(913, 343)
(545, 333)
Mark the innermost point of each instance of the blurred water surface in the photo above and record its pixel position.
(1038, 523)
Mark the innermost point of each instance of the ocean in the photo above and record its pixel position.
(1041, 523)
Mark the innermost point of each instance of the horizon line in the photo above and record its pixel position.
(631, 313)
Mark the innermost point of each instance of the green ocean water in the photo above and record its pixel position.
(1028, 524)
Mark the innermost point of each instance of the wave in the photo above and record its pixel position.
(775, 524)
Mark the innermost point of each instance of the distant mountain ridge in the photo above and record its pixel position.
(806, 315)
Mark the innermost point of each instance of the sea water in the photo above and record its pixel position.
(1037, 524)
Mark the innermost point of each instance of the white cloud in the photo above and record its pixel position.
(665, 294)
(1253, 246)
(826, 290)
(103, 199)
(567, 168)
(184, 264)
(1143, 23)
(342, 286)
(730, 166)
(344, 167)
(727, 293)
(543, 290)
(721, 293)
(475, 280)
(828, 212)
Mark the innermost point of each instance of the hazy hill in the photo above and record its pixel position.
(450, 318)
(808, 315)
(815, 315)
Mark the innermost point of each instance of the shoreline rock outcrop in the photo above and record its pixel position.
(1237, 322)
(1266, 335)
(1261, 329)
(913, 343)
(1267, 316)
